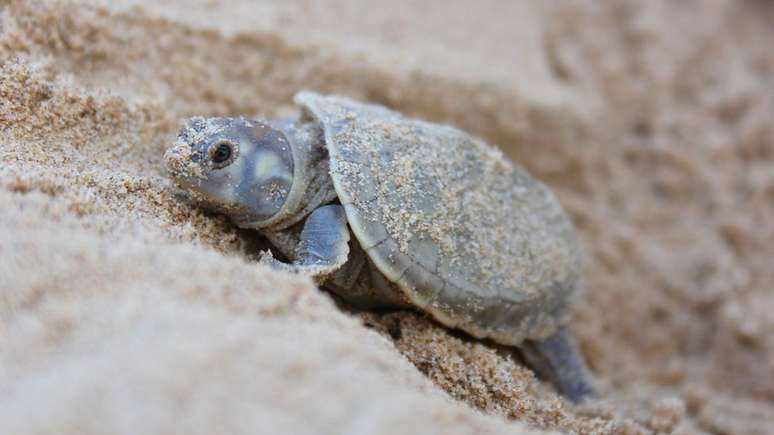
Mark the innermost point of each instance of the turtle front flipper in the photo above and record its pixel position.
(323, 246)
(557, 360)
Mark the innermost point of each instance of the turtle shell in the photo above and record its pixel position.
(468, 236)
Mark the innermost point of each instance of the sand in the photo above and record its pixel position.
(125, 310)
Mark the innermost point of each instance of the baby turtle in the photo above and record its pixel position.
(442, 222)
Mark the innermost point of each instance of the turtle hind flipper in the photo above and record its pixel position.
(557, 360)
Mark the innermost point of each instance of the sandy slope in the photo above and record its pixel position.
(124, 310)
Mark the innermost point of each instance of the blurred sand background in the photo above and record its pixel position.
(123, 310)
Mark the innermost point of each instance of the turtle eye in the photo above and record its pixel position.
(221, 154)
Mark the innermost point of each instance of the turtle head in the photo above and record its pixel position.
(241, 167)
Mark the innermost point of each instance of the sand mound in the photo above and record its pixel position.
(124, 310)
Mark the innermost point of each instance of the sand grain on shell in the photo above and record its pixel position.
(493, 240)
